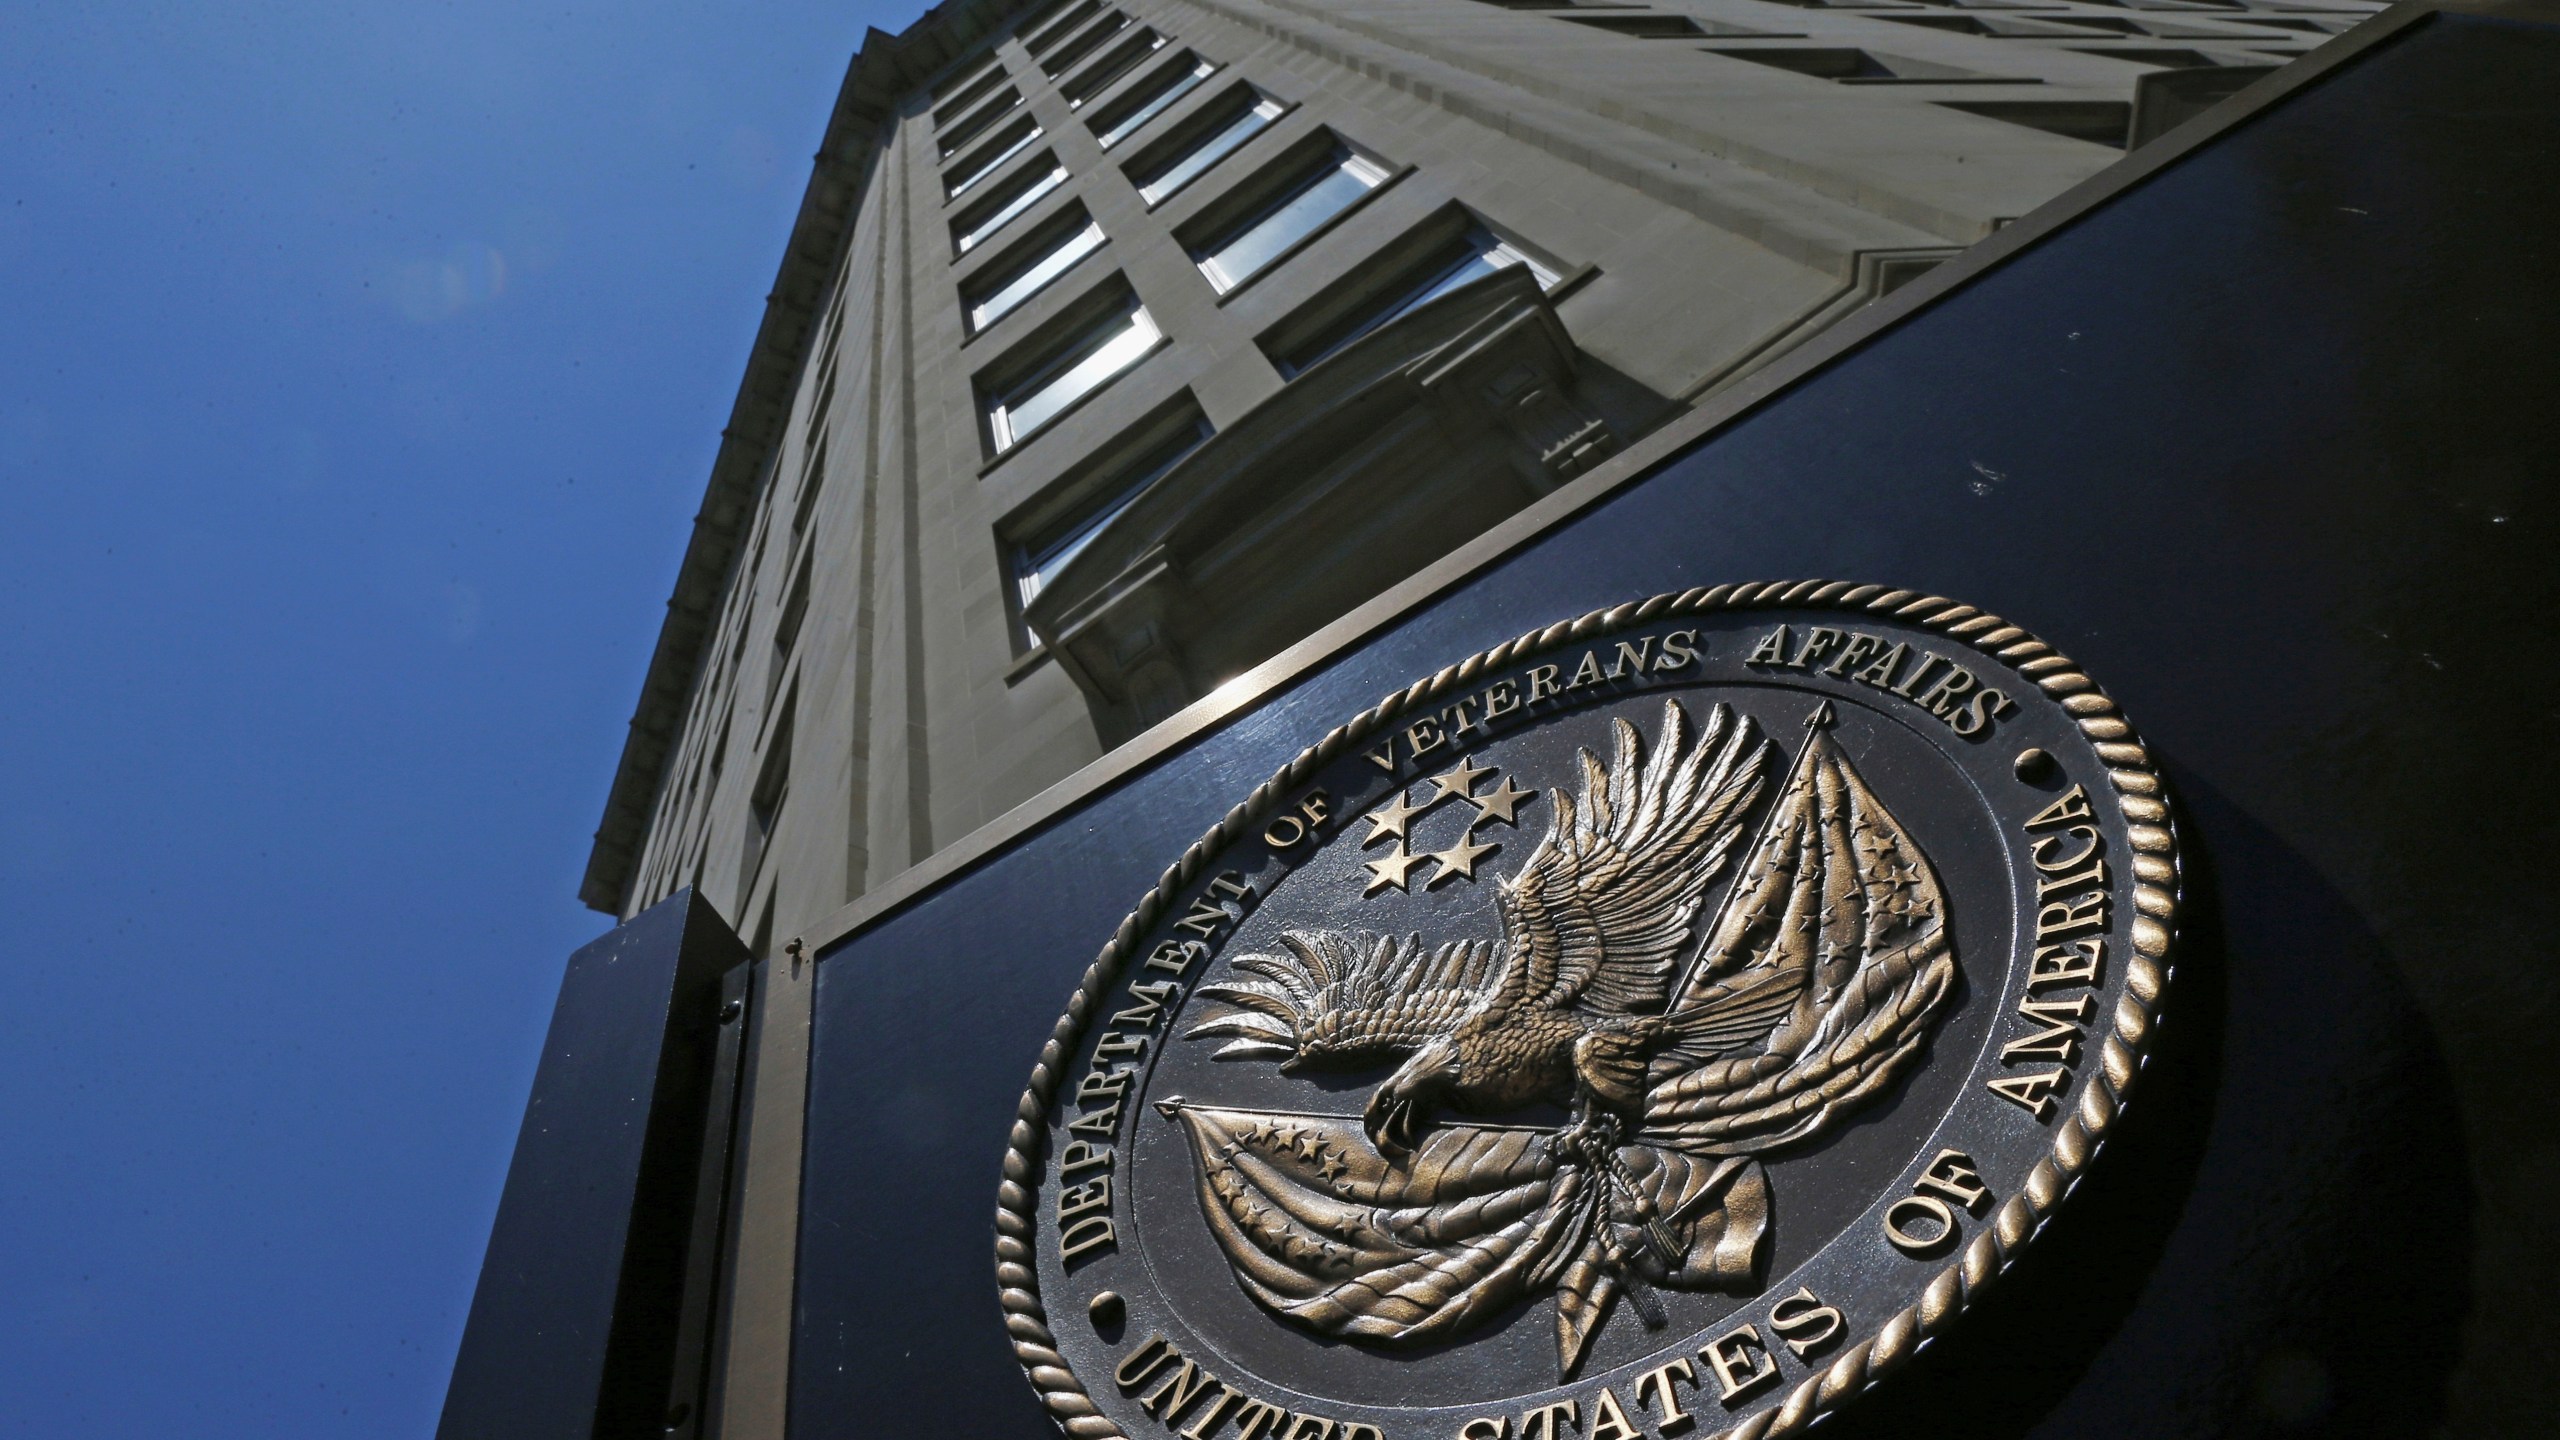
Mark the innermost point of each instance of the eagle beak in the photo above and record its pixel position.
(1389, 1121)
(1399, 1109)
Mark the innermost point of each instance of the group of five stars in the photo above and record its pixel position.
(1459, 861)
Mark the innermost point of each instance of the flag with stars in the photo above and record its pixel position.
(1319, 1227)
(1836, 894)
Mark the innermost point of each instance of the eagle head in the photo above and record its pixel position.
(1399, 1110)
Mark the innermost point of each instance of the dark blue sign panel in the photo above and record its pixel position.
(589, 1316)
(2262, 442)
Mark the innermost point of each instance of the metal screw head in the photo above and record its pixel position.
(731, 1011)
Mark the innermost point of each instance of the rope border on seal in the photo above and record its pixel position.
(2151, 834)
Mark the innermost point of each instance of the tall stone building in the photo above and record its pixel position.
(1119, 344)
(1123, 941)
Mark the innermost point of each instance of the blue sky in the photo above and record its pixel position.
(360, 368)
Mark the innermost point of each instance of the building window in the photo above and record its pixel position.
(1471, 254)
(1150, 98)
(1084, 44)
(813, 475)
(1133, 464)
(1016, 195)
(1083, 359)
(966, 89)
(1283, 209)
(822, 404)
(755, 552)
(764, 803)
(1642, 27)
(1050, 32)
(976, 122)
(733, 647)
(711, 791)
(982, 162)
(1859, 67)
(1093, 79)
(2100, 122)
(1002, 286)
(1214, 135)
(1041, 16)
(786, 626)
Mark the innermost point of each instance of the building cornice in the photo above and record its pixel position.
(886, 68)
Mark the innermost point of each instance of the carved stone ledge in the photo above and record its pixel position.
(1369, 465)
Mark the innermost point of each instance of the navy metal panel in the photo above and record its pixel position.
(2264, 443)
(574, 1328)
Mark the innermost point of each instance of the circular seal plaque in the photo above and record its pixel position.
(1662, 1023)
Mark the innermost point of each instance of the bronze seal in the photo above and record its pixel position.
(1667, 1020)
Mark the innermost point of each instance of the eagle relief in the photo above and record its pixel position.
(1667, 1020)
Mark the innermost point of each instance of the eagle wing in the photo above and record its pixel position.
(1348, 997)
(1602, 913)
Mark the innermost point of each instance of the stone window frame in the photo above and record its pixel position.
(966, 88)
(989, 159)
(956, 136)
(1029, 186)
(1084, 329)
(1306, 163)
(771, 793)
(1143, 101)
(1130, 52)
(1211, 122)
(1000, 271)
(1086, 41)
(1056, 23)
(1390, 281)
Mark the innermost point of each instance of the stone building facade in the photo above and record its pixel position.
(1119, 344)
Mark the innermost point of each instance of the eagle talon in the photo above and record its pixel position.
(1592, 1135)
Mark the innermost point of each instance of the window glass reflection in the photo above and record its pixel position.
(1214, 143)
(1303, 203)
(1172, 85)
(968, 235)
(1120, 341)
(993, 304)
